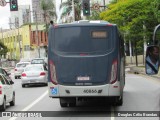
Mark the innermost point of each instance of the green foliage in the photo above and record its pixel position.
(67, 6)
(156, 9)
(94, 16)
(135, 18)
(49, 11)
(3, 49)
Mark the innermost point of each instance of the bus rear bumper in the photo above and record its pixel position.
(106, 90)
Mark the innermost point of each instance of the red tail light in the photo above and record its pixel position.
(15, 69)
(42, 74)
(109, 25)
(83, 54)
(53, 73)
(24, 75)
(114, 72)
(0, 89)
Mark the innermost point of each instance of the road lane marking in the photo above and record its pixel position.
(32, 104)
(112, 113)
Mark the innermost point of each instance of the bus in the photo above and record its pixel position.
(86, 60)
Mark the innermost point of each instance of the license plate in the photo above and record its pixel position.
(83, 78)
(33, 81)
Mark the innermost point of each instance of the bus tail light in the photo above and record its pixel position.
(0, 89)
(113, 78)
(53, 73)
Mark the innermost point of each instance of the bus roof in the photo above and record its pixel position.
(87, 23)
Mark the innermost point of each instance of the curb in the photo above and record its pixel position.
(139, 70)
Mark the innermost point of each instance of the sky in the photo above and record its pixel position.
(5, 12)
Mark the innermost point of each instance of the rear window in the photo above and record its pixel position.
(34, 68)
(83, 39)
(22, 64)
(37, 61)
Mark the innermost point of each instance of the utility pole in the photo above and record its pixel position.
(104, 4)
(73, 10)
(0, 48)
(37, 35)
(145, 43)
(2, 34)
(130, 51)
(19, 40)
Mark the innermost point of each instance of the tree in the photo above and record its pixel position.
(3, 49)
(49, 10)
(94, 16)
(130, 17)
(67, 6)
(156, 9)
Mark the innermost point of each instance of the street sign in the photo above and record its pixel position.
(96, 6)
(3, 3)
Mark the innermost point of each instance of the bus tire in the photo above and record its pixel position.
(119, 101)
(72, 101)
(63, 103)
(73, 104)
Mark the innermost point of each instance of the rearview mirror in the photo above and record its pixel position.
(8, 73)
(152, 60)
(11, 82)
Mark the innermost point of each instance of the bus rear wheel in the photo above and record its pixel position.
(63, 103)
(73, 104)
(68, 101)
(119, 101)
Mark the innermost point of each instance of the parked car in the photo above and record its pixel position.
(7, 94)
(34, 74)
(39, 61)
(20, 68)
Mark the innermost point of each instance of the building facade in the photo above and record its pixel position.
(20, 17)
(37, 10)
(25, 41)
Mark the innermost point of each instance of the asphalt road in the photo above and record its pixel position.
(141, 93)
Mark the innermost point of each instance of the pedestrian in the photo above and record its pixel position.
(152, 60)
(51, 24)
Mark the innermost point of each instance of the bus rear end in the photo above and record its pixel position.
(84, 62)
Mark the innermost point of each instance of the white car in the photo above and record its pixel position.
(7, 94)
(19, 69)
(34, 74)
(39, 61)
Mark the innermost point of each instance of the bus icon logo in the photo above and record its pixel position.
(54, 91)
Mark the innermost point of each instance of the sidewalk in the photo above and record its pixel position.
(140, 70)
